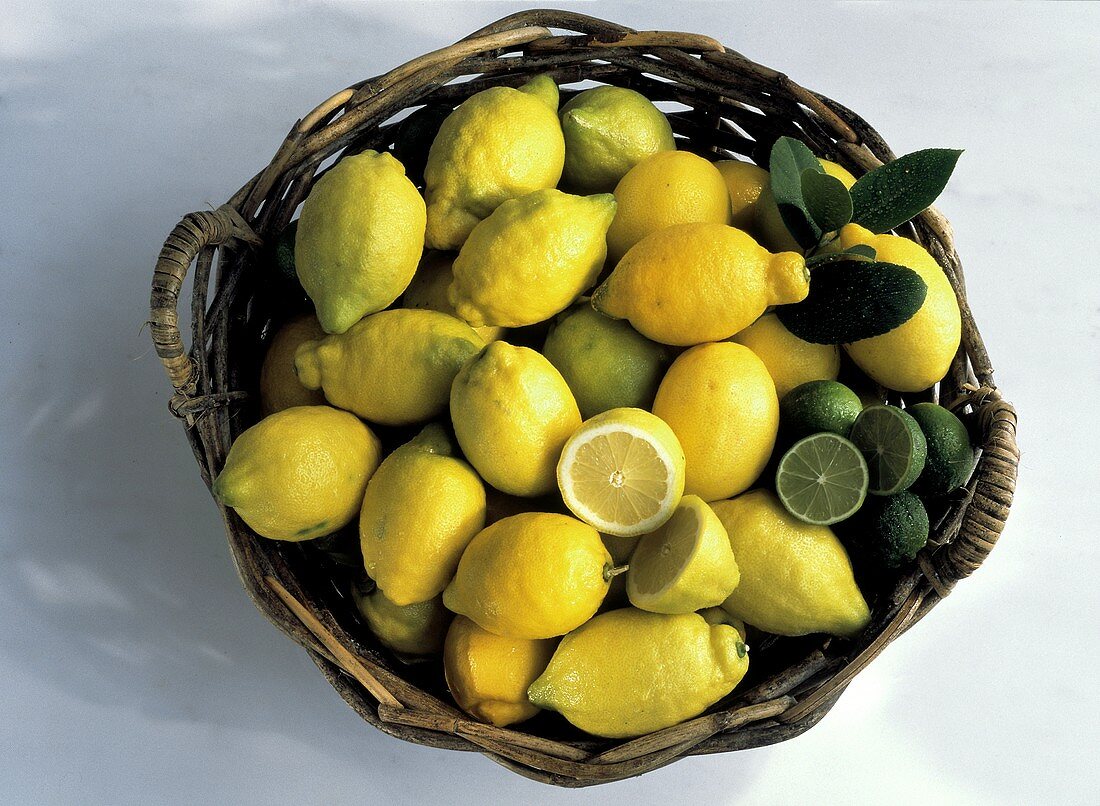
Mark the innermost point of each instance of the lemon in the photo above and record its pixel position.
(279, 385)
(531, 258)
(795, 578)
(620, 549)
(918, 353)
(694, 283)
(428, 289)
(499, 144)
(790, 361)
(488, 674)
(628, 672)
(534, 575)
(769, 223)
(359, 238)
(512, 413)
(393, 367)
(670, 187)
(622, 472)
(745, 183)
(717, 615)
(606, 362)
(608, 130)
(685, 565)
(422, 507)
(299, 473)
(416, 629)
(721, 403)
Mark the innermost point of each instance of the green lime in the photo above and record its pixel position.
(822, 479)
(893, 445)
(606, 362)
(817, 406)
(950, 457)
(890, 530)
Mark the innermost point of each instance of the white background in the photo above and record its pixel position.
(133, 669)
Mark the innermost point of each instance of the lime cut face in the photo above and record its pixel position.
(822, 479)
(893, 445)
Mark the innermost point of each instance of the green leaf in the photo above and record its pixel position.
(892, 194)
(851, 300)
(826, 200)
(789, 158)
(862, 250)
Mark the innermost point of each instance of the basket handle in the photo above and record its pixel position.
(195, 232)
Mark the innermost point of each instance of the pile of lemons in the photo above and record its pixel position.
(572, 318)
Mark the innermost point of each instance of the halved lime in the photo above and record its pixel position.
(822, 479)
(893, 445)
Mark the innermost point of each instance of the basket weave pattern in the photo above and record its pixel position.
(729, 106)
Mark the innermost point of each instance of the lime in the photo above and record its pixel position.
(822, 479)
(890, 530)
(893, 445)
(817, 406)
(685, 565)
(950, 457)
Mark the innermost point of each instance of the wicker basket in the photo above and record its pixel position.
(730, 105)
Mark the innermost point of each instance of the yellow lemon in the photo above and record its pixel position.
(620, 549)
(790, 361)
(488, 674)
(629, 672)
(531, 258)
(745, 183)
(279, 385)
(417, 629)
(422, 507)
(670, 187)
(512, 413)
(720, 401)
(608, 130)
(693, 283)
(499, 144)
(394, 367)
(769, 225)
(299, 473)
(917, 354)
(796, 578)
(535, 575)
(359, 238)
(717, 615)
(622, 472)
(428, 289)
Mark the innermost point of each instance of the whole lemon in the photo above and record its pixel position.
(488, 674)
(720, 402)
(499, 144)
(769, 226)
(279, 385)
(534, 575)
(790, 361)
(671, 187)
(918, 353)
(796, 578)
(693, 283)
(606, 362)
(299, 473)
(417, 629)
(394, 367)
(512, 413)
(608, 130)
(359, 238)
(422, 507)
(428, 289)
(629, 672)
(745, 182)
(531, 258)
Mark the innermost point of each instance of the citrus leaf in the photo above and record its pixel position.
(862, 250)
(892, 194)
(835, 257)
(826, 200)
(852, 300)
(788, 159)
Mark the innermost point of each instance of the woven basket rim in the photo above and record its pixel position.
(734, 106)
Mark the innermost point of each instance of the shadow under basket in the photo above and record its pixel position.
(720, 104)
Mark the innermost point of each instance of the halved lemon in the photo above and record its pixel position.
(685, 565)
(622, 472)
